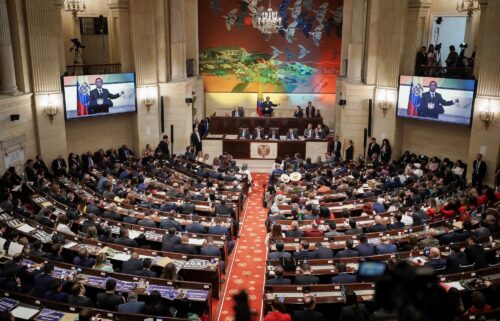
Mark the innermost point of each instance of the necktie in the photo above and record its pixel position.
(432, 95)
(91, 162)
(58, 164)
(126, 153)
(100, 91)
(478, 164)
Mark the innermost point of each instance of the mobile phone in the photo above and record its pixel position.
(371, 269)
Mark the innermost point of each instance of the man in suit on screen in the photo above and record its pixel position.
(101, 98)
(432, 103)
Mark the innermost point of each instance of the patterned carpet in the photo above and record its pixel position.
(247, 268)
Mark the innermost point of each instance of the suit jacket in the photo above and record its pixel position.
(195, 140)
(59, 167)
(298, 114)
(169, 241)
(267, 107)
(350, 313)
(241, 113)
(343, 278)
(277, 255)
(124, 152)
(386, 248)
(324, 253)
(275, 136)
(106, 96)
(218, 230)
(82, 301)
(163, 148)
(170, 222)
(304, 255)
(306, 279)
(259, 135)
(481, 171)
(291, 136)
(309, 133)
(132, 307)
(41, 283)
(195, 228)
(109, 301)
(475, 254)
(87, 162)
(132, 265)
(347, 253)
(373, 149)
(210, 250)
(146, 222)
(376, 228)
(336, 148)
(144, 272)
(126, 241)
(88, 262)
(454, 260)
(244, 134)
(310, 112)
(439, 102)
(307, 315)
(279, 281)
(187, 208)
(366, 249)
(349, 153)
(185, 249)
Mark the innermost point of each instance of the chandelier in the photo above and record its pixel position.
(468, 6)
(74, 6)
(268, 22)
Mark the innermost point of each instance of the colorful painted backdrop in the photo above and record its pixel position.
(304, 57)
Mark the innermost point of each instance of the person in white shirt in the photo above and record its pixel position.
(63, 227)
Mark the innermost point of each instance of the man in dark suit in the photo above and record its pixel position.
(124, 153)
(77, 296)
(146, 269)
(435, 260)
(101, 99)
(279, 253)
(218, 229)
(187, 207)
(237, 112)
(274, 135)
(196, 139)
(336, 147)
(278, 277)
(109, 300)
(132, 305)
(163, 149)
(364, 248)
(306, 278)
(124, 239)
(184, 246)
(343, 277)
(308, 314)
(379, 225)
(267, 107)
(167, 223)
(475, 253)
(479, 171)
(353, 230)
(244, 133)
(431, 104)
(385, 246)
(258, 133)
(291, 135)
(209, 248)
(309, 132)
(323, 252)
(195, 226)
(303, 252)
(132, 265)
(59, 167)
(456, 259)
(42, 281)
(373, 148)
(348, 252)
(82, 259)
(310, 110)
(87, 162)
(170, 240)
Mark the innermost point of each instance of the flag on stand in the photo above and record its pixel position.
(414, 100)
(82, 98)
(260, 99)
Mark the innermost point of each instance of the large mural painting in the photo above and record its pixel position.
(303, 57)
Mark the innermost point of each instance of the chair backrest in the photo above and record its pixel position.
(467, 268)
(271, 129)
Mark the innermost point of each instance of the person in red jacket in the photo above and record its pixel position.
(314, 231)
(278, 312)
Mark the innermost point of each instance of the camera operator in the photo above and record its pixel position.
(421, 61)
(452, 59)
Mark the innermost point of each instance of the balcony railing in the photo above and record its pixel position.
(446, 72)
(77, 70)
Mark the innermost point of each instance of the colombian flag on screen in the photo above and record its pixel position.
(82, 98)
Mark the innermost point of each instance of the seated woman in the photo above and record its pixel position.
(101, 263)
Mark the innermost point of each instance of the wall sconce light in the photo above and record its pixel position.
(191, 100)
(384, 103)
(50, 108)
(487, 116)
(342, 102)
(149, 97)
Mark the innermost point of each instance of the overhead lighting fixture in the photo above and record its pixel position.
(269, 22)
(74, 6)
(469, 6)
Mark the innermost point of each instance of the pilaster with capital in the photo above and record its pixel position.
(8, 76)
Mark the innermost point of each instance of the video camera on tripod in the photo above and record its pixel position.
(76, 50)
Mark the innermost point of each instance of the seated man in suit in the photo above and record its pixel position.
(146, 269)
(309, 131)
(132, 305)
(332, 232)
(244, 133)
(291, 135)
(82, 259)
(42, 281)
(133, 264)
(364, 248)
(343, 277)
(187, 207)
(323, 252)
(303, 252)
(348, 252)
(125, 153)
(475, 253)
(196, 226)
(385, 246)
(318, 134)
(124, 239)
(274, 134)
(258, 133)
(278, 277)
(435, 260)
(218, 229)
(109, 300)
(306, 278)
(456, 259)
(308, 313)
(209, 249)
(279, 253)
(184, 247)
(379, 225)
(237, 112)
(294, 230)
(170, 240)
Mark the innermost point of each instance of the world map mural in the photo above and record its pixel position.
(303, 57)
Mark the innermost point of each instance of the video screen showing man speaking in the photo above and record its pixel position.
(436, 99)
(95, 95)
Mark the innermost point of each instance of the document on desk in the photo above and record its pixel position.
(121, 257)
(24, 313)
(15, 248)
(196, 242)
(25, 228)
(455, 284)
(231, 136)
(133, 234)
(69, 245)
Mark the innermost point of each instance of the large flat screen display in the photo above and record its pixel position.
(98, 95)
(443, 100)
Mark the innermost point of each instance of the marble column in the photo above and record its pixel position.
(59, 4)
(479, 36)
(119, 26)
(178, 39)
(355, 47)
(8, 75)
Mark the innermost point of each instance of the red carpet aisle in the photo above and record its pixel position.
(248, 265)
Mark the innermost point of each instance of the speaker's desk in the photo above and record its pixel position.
(231, 125)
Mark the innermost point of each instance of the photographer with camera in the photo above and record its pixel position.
(452, 59)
